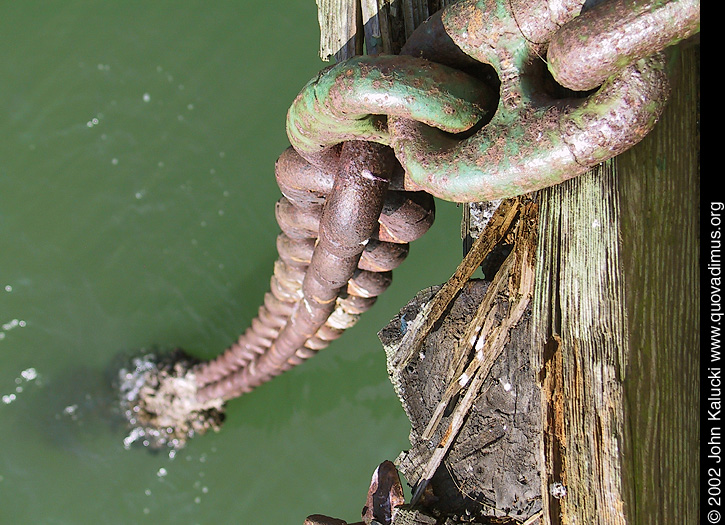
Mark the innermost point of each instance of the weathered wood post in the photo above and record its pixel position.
(617, 318)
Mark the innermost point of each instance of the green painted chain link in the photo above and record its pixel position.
(532, 140)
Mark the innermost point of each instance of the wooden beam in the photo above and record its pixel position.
(660, 206)
(583, 328)
(617, 314)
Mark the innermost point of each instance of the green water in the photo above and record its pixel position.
(137, 144)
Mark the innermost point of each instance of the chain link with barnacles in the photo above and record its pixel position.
(487, 99)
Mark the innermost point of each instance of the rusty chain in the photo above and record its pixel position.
(334, 260)
(374, 137)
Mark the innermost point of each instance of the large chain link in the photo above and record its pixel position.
(533, 140)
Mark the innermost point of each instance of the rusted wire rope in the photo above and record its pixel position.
(349, 209)
(342, 234)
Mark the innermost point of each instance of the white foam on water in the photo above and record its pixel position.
(29, 374)
(26, 376)
(15, 323)
(9, 398)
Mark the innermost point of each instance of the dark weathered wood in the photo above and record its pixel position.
(495, 323)
(617, 312)
(469, 390)
(499, 227)
(659, 185)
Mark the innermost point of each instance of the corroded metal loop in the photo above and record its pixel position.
(273, 304)
(273, 319)
(367, 284)
(298, 222)
(350, 100)
(406, 215)
(356, 305)
(600, 42)
(533, 139)
(285, 291)
(295, 252)
(377, 256)
(300, 182)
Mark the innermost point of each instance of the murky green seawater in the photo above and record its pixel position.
(137, 144)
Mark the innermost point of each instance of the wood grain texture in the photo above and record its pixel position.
(581, 320)
(355, 27)
(617, 316)
(340, 25)
(660, 187)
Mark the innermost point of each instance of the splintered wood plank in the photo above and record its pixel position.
(515, 281)
(496, 230)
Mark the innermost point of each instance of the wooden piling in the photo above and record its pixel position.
(617, 317)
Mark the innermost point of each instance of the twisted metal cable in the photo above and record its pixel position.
(342, 235)
(349, 209)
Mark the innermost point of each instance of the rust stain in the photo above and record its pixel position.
(554, 430)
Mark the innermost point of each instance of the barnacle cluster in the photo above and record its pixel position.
(158, 400)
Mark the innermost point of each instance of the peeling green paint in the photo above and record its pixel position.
(530, 142)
